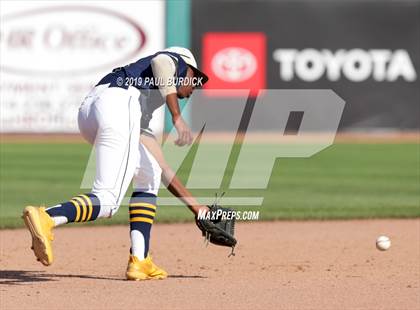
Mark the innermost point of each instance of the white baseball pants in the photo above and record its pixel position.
(109, 118)
(148, 173)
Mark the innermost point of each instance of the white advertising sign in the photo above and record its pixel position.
(52, 53)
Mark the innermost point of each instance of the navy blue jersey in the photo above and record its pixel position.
(139, 74)
(135, 75)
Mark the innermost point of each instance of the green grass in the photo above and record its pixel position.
(342, 182)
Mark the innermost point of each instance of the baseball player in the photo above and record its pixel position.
(110, 118)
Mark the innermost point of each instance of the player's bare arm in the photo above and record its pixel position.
(169, 178)
(184, 132)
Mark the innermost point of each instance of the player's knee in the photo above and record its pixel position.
(147, 180)
(109, 204)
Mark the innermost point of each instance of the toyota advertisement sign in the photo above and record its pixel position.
(366, 52)
(356, 65)
(234, 61)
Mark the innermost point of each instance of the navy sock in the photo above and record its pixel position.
(82, 208)
(142, 211)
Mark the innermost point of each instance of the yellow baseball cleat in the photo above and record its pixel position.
(40, 225)
(144, 269)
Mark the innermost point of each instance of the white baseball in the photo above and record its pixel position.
(383, 243)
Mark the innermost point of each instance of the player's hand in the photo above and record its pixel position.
(201, 210)
(184, 132)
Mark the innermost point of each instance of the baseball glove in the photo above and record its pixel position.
(218, 226)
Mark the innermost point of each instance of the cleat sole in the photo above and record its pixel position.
(38, 241)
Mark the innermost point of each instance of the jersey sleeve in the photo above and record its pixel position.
(164, 69)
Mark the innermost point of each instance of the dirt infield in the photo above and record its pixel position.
(278, 265)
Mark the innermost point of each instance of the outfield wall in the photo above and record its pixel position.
(366, 51)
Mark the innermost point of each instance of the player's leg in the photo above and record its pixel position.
(117, 151)
(142, 211)
(114, 117)
(40, 221)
